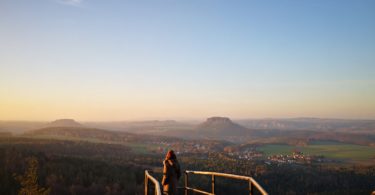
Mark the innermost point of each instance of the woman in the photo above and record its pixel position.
(171, 173)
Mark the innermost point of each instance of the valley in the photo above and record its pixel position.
(101, 160)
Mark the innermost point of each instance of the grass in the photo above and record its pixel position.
(333, 150)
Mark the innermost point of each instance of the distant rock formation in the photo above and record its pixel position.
(221, 126)
(64, 123)
(216, 121)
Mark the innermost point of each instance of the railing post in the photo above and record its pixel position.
(213, 184)
(186, 183)
(146, 184)
(251, 187)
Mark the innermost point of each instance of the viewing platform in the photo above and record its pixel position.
(155, 187)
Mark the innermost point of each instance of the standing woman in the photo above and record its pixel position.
(171, 173)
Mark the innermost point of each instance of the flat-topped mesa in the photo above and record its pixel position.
(64, 123)
(220, 126)
(216, 121)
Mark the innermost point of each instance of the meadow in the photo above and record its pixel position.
(334, 150)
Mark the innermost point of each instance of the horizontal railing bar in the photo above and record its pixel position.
(158, 190)
(240, 177)
(220, 174)
(156, 183)
(199, 191)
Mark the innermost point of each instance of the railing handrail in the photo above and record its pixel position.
(240, 177)
(156, 183)
(252, 182)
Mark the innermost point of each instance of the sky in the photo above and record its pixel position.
(112, 60)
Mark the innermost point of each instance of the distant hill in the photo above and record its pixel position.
(150, 126)
(277, 131)
(86, 133)
(221, 127)
(294, 131)
(313, 124)
(80, 133)
(64, 123)
(19, 127)
(5, 134)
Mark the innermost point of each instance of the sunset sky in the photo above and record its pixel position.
(186, 59)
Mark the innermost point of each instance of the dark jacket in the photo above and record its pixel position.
(171, 174)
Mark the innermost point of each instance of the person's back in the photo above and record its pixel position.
(171, 173)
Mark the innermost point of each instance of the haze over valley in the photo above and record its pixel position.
(293, 132)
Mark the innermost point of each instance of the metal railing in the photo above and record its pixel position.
(148, 177)
(252, 183)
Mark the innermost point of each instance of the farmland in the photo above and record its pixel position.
(334, 150)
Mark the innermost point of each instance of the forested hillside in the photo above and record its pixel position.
(81, 167)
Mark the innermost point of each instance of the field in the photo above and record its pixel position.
(333, 150)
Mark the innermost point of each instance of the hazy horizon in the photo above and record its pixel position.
(197, 120)
(94, 60)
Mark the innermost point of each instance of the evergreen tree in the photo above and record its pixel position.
(29, 181)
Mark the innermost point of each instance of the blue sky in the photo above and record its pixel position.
(146, 59)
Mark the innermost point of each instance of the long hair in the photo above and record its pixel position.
(170, 155)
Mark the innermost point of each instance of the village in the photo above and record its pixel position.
(296, 157)
(243, 153)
